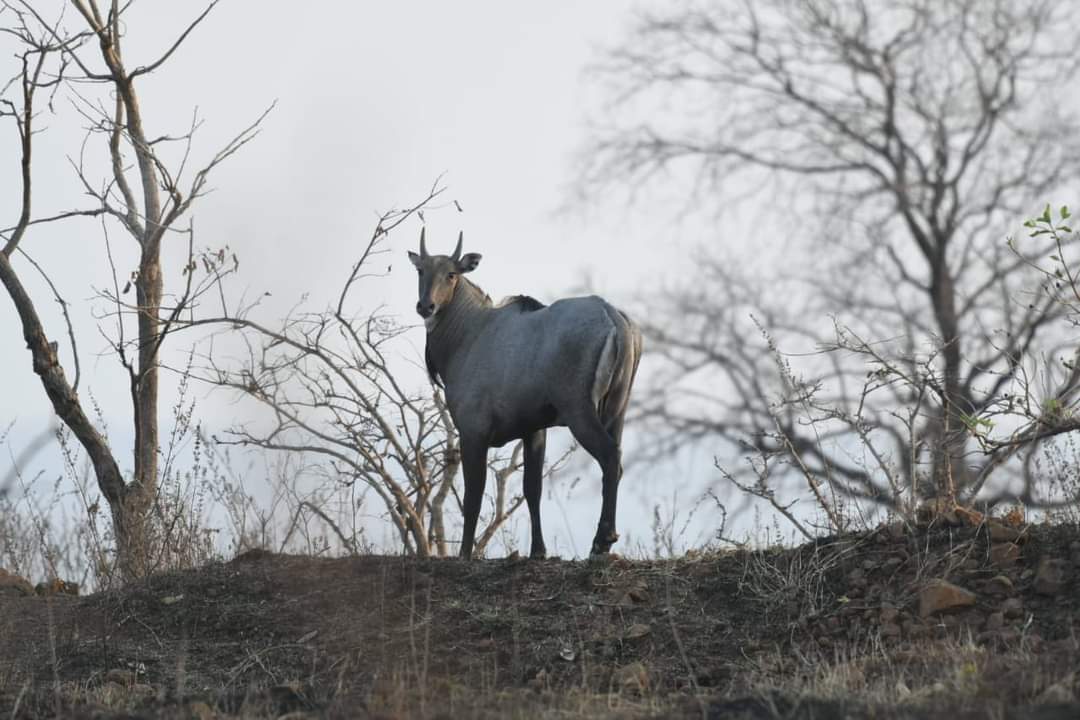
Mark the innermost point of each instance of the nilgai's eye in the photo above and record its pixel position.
(451, 275)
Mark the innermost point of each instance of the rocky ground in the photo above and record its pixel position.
(958, 618)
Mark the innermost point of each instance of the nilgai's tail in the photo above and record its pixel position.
(613, 404)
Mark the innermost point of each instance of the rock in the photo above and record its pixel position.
(201, 711)
(120, 676)
(939, 596)
(995, 621)
(636, 631)
(632, 678)
(635, 593)
(114, 693)
(1000, 532)
(1060, 693)
(939, 509)
(1009, 636)
(998, 585)
(1015, 517)
(968, 516)
(1050, 577)
(1063, 646)
(890, 630)
(1004, 554)
(287, 700)
(56, 586)
(539, 681)
(11, 584)
(1012, 608)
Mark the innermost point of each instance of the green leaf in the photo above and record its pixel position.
(1046, 214)
(1029, 223)
(1064, 212)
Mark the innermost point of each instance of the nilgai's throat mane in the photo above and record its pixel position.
(453, 326)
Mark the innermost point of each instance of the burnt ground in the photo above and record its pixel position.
(843, 627)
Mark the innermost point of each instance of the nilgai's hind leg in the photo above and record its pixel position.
(590, 432)
(474, 467)
(534, 487)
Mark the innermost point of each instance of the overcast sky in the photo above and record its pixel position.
(374, 102)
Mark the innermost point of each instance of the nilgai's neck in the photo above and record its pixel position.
(457, 324)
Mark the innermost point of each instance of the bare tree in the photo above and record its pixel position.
(333, 385)
(913, 132)
(143, 192)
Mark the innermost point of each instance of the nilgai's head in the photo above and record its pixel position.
(439, 275)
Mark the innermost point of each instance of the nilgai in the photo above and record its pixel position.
(512, 370)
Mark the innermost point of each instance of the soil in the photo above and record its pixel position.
(836, 628)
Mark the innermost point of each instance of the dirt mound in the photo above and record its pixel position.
(843, 625)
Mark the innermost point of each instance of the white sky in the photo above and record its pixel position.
(375, 100)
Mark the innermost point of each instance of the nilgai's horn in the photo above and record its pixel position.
(457, 250)
(423, 248)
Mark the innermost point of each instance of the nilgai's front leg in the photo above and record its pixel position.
(534, 487)
(474, 467)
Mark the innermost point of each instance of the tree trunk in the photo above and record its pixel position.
(948, 434)
(127, 519)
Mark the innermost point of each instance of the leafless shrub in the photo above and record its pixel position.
(782, 579)
(330, 389)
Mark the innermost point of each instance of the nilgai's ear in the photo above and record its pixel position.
(469, 262)
(414, 259)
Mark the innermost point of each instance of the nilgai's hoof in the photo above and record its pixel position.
(602, 545)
